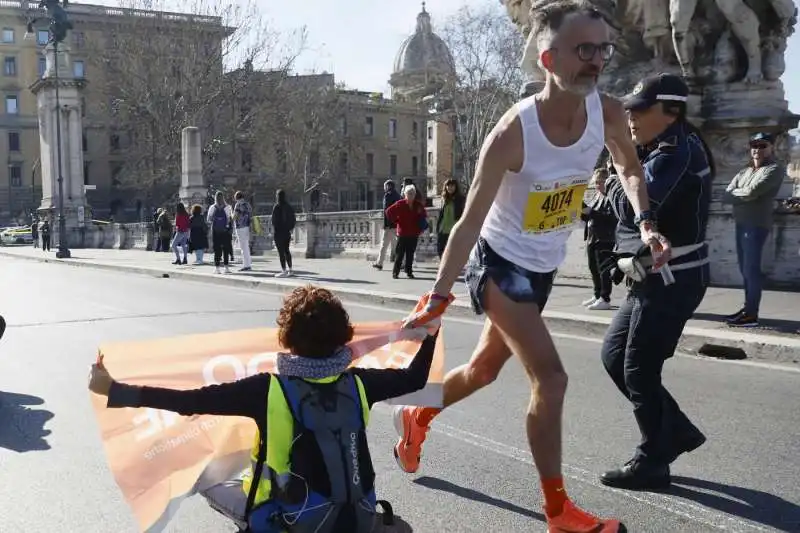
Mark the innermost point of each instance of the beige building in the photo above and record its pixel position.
(374, 138)
(98, 32)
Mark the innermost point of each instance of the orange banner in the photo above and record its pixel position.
(160, 458)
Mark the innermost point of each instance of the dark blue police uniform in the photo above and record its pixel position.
(645, 331)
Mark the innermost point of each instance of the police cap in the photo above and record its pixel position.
(666, 88)
(761, 137)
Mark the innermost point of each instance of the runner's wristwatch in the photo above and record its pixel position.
(645, 216)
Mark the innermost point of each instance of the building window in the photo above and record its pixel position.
(280, 158)
(343, 125)
(10, 66)
(393, 128)
(42, 37)
(86, 172)
(8, 35)
(343, 163)
(370, 164)
(42, 66)
(113, 142)
(12, 107)
(116, 172)
(13, 141)
(313, 162)
(414, 166)
(368, 127)
(85, 141)
(79, 69)
(430, 133)
(247, 160)
(414, 129)
(430, 158)
(15, 174)
(79, 39)
(393, 165)
(83, 106)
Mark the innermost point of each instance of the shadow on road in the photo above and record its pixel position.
(750, 504)
(435, 483)
(765, 325)
(310, 277)
(21, 428)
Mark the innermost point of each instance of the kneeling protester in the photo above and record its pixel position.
(310, 465)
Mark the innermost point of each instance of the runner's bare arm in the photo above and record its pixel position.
(623, 152)
(502, 151)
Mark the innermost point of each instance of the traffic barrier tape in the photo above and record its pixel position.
(159, 458)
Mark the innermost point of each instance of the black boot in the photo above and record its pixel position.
(637, 474)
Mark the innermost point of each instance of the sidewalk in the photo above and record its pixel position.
(776, 339)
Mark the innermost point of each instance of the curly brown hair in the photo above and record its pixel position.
(313, 323)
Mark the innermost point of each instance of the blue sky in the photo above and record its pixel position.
(358, 39)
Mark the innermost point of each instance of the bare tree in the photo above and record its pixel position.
(486, 49)
(298, 131)
(162, 71)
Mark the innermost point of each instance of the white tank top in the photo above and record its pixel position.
(538, 207)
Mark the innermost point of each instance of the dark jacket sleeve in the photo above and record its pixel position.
(383, 384)
(246, 397)
(277, 221)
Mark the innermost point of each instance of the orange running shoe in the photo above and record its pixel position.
(408, 450)
(573, 519)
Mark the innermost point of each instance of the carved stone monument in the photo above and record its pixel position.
(193, 188)
(69, 106)
(732, 54)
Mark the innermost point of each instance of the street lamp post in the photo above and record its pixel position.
(59, 25)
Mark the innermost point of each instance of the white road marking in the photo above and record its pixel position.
(688, 510)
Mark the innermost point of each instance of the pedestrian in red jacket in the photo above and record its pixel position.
(411, 219)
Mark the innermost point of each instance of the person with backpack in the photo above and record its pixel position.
(283, 222)
(311, 468)
(220, 218)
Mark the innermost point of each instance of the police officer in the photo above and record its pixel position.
(679, 170)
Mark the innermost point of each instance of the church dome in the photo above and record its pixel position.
(424, 50)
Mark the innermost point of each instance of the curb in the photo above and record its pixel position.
(756, 346)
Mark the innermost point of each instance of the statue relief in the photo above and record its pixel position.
(704, 38)
(746, 20)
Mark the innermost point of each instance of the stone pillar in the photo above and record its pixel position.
(193, 188)
(68, 110)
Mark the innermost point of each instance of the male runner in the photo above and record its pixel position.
(525, 200)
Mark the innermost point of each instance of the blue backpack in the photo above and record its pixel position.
(331, 467)
(220, 219)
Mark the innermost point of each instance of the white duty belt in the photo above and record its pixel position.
(637, 269)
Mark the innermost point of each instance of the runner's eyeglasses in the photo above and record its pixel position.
(587, 51)
(758, 146)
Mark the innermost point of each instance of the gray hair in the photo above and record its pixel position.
(547, 17)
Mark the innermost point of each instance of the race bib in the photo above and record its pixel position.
(554, 206)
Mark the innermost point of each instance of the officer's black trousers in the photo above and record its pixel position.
(642, 336)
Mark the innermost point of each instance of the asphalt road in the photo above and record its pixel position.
(477, 475)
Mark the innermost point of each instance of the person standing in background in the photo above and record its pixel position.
(181, 239)
(601, 224)
(410, 216)
(198, 234)
(283, 222)
(752, 193)
(44, 230)
(242, 216)
(389, 236)
(220, 219)
(450, 213)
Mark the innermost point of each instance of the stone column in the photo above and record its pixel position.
(193, 188)
(67, 109)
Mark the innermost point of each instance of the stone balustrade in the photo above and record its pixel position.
(357, 234)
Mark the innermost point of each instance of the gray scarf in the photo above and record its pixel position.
(313, 368)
